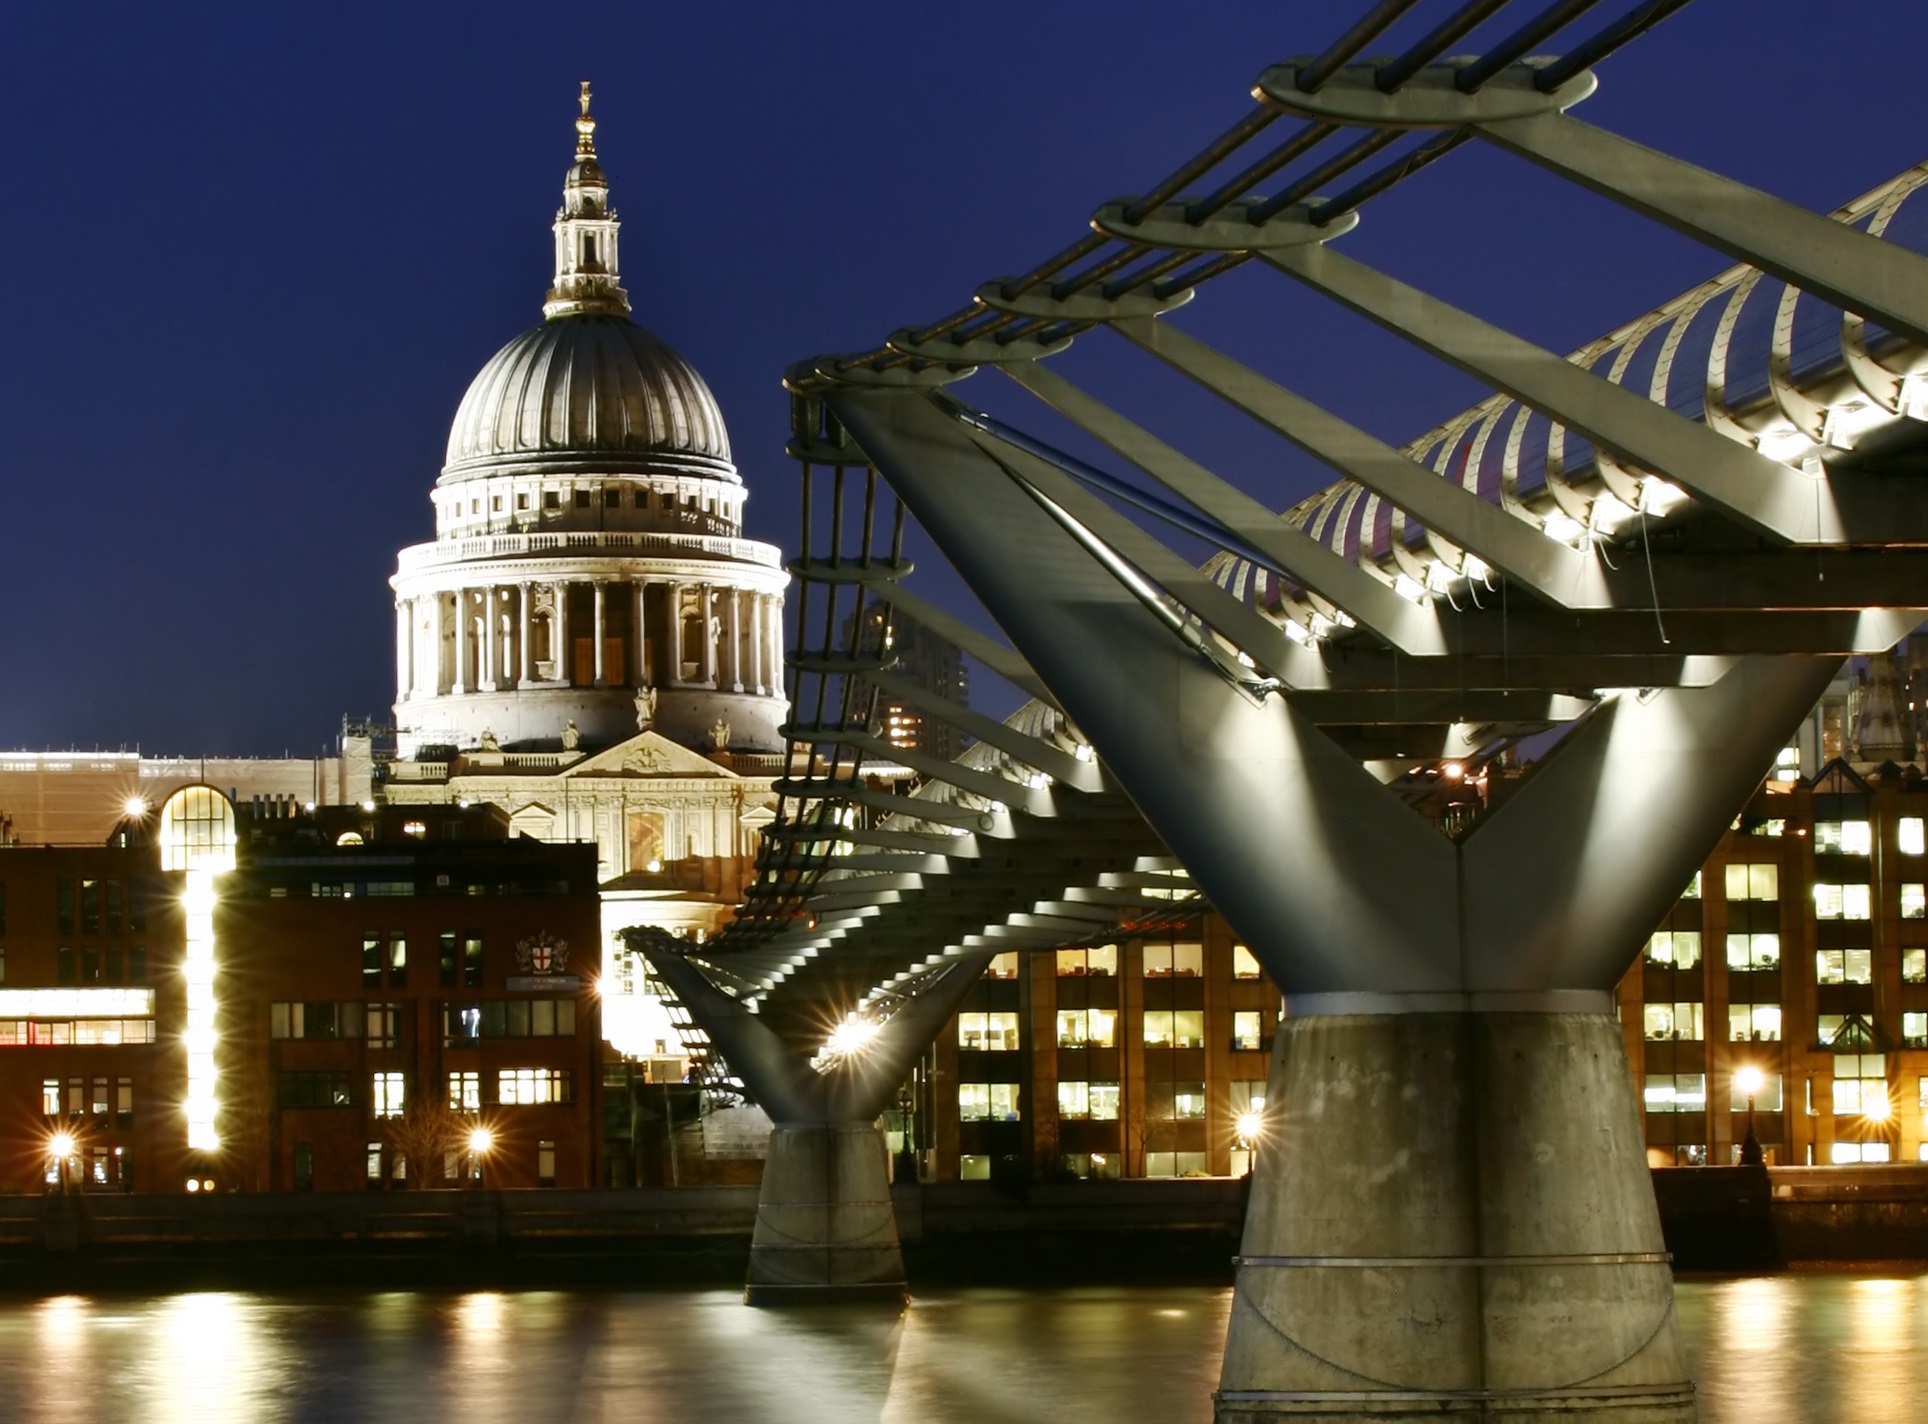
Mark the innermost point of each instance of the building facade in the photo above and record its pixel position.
(328, 1000)
(1793, 971)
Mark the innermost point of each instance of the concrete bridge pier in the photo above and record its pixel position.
(825, 1229)
(1452, 1217)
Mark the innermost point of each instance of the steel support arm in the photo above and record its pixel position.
(1762, 494)
(1615, 820)
(1054, 761)
(1264, 808)
(1237, 621)
(1341, 581)
(1516, 548)
(1870, 277)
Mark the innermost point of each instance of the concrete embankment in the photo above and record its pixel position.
(1717, 1218)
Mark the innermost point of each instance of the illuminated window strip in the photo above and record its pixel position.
(61, 1033)
(76, 1003)
(199, 1035)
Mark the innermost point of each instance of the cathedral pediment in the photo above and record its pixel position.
(648, 754)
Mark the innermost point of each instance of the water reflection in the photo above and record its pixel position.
(1807, 1349)
(1774, 1350)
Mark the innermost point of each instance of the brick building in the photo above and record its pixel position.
(344, 1008)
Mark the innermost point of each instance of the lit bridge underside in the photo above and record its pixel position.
(1664, 543)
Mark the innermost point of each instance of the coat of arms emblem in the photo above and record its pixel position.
(542, 953)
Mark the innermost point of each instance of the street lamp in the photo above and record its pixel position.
(1749, 1080)
(1247, 1128)
(61, 1147)
(480, 1141)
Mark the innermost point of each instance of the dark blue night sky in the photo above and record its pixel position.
(254, 253)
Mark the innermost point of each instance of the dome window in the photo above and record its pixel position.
(669, 499)
(551, 500)
(522, 500)
(582, 499)
(612, 499)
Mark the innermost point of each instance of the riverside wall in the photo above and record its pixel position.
(1716, 1219)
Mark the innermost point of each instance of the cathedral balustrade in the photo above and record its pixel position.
(495, 546)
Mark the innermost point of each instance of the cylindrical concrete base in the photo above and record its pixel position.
(825, 1232)
(1451, 1216)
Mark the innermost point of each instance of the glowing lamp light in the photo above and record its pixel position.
(654, 867)
(850, 1037)
(1749, 1081)
(1452, 771)
(134, 807)
(61, 1145)
(481, 1140)
(1248, 1126)
(1877, 1110)
(1563, 529)
(193, 1184)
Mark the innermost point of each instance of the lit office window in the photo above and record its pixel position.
(1754, 1023)
(1914, 901)
(1104, 1102)
(1074, 1099)
(1757, 881)
(390, 1096)
(1753, 951)
(1909, 836)
(1182, 1028)
(1002, 966)
(1675, 1092)
(1087, 1028)
(1675, 1021)
(988, 1032)
(1843, 837)
(1174, 1164)
(1846, 1154)
(1099, 959)
(1679, 949)
(1914, 966)
(1861, 1086)
(1244, 1095)
(1844, 966)
(1188, 1100)
(1914, 1030)
(987, 1102)
(1246, 1031)
(1841, 902)
(1692, 892)
(527, 1087)
(1245, 964)
(465, 1092)
(1164, 961)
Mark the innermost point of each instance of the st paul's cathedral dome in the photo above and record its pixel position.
(589, 578)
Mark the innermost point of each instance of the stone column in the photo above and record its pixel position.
(559, 634)
(459, 681)
(639, 634)
(773, 610)
(524, 664)
(735, 640)
(757, 670)
(485, 681)
(675, 621)
(404, 632)
(602, 595)
(706, 665)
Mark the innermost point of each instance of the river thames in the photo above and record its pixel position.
(1798, 1349)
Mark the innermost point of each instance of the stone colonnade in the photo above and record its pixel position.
(503, 635)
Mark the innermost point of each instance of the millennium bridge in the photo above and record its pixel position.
(1653, 552)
